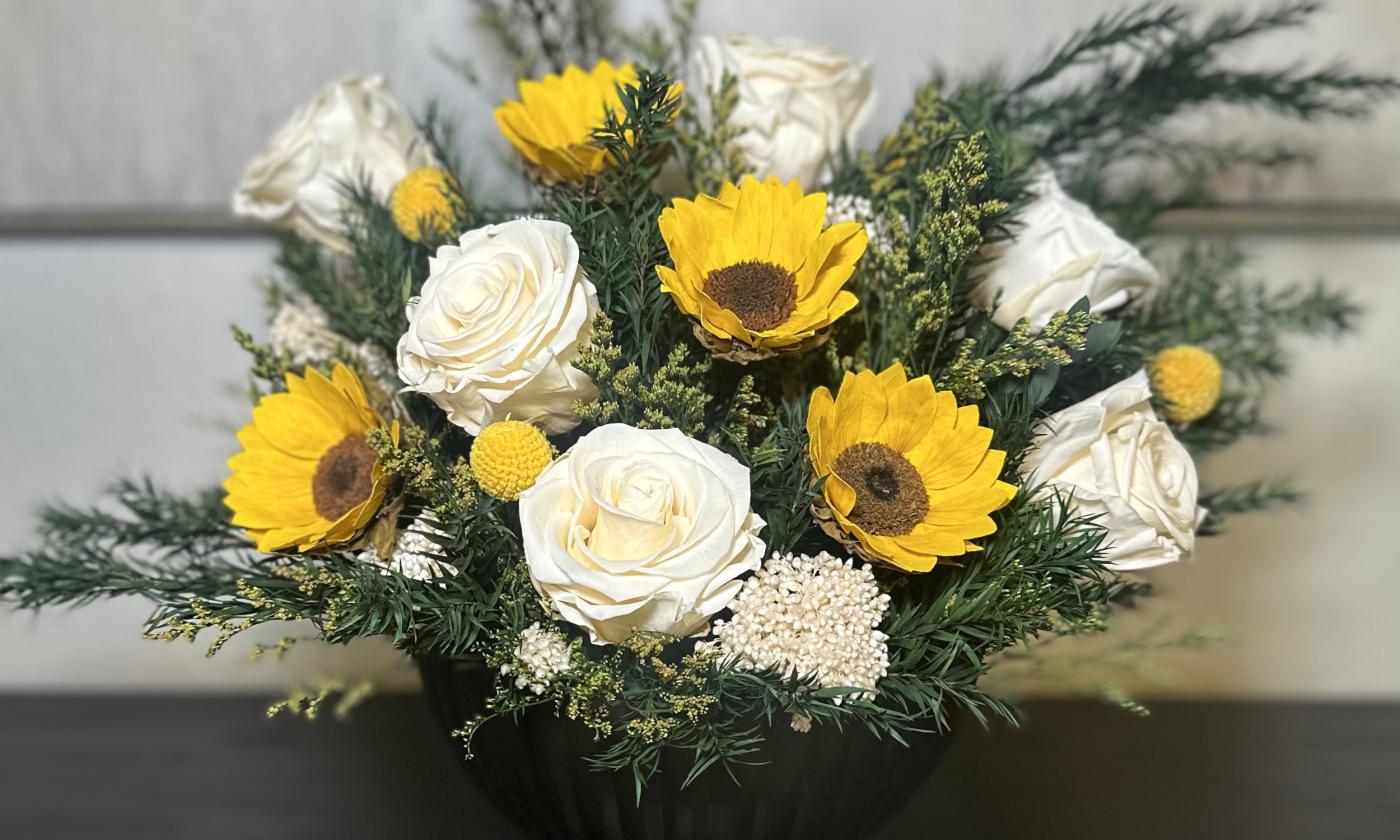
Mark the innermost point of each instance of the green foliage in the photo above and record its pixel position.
(1210, 301)
(712, 155)
(268, 365)
(1019, 353)
(1039, 568)
(1152, 62)
(308, 701)
(955, 192)
(1246, 322)
(387, 268)
(614, 222)
(1136, 70)
(1224, 502)
(545, 36)
(674, 396)
(443, 481)
(535, 37)
(781, 477)
(666, 43)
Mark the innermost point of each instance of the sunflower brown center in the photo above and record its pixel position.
(890, 494)
(762, 294)
(344, 477)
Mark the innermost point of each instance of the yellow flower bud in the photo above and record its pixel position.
(508, 456)
(424, 203)
(1187, 378)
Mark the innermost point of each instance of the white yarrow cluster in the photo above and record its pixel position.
(541, 655)
(415, 554)
(809, 616)
(844, 207)
(301, 330)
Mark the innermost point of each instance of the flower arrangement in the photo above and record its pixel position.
(732, 421)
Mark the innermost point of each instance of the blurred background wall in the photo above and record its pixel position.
(126, 125)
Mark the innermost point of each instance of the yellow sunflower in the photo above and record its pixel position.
(909, 475)
(755, 267)
(552, 123)
(306, 476)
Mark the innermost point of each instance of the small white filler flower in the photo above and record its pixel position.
(541, 655)
(848, 207)
(813, 616)
(301, 330)
(416, 555)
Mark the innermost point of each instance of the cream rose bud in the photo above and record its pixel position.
(1060, 253)
(640, 530)
(497, 325)
(353, 129)
(1117, 460)
(798, 104)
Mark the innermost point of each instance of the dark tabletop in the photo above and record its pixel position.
(213, 768)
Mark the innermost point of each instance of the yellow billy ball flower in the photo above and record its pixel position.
(424, 203)
(508, 456)
(909, 476)
(1187, 378)
(552, 123)
(757, 268)
(307, 477)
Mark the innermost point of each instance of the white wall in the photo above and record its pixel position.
(117, 356)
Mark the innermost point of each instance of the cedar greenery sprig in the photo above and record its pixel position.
(614, 222)
(712, 155)
(1136, 70)
(1210, 300)
(781, 477)
(1151, 63)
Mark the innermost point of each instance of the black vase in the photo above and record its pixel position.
(813, 786)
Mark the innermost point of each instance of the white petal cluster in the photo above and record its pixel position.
(542, 655)
(809, 616)
(415, 553)
(844, 207)
(301, 330)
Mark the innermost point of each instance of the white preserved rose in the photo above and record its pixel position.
(352, 130)
(798, 104)
(498, 323)
(1061, 252)
(637, 529)
(1118, 460)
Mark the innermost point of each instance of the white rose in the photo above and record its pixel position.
(1117, 460)
(498, 322)
(798, 104)
(640, 530)
(353, 129)
(1061, 252)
